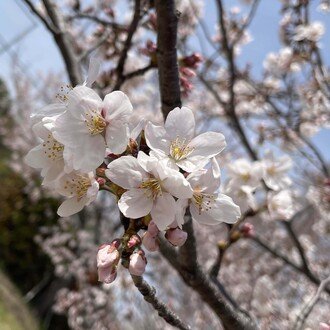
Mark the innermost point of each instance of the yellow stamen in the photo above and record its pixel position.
(179, 149)
(152, 186)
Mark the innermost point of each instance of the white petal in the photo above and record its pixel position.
(83, 99)
(208, 144)
(36, 158)
(116, 136)
(117, 105)
(223, 209)
(126, 172)
(89, 153)
(206, 180)
(48, 111)
(163, 211)
(192, 164)
(155, 138)
(134, 203)
(181, 206)
(180, 123)
(93, 71)
(149, 164)
(71, 206)
(136, 130)
(176, 184)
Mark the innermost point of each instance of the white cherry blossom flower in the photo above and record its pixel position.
(90, 125)
(49, 155)
(243, 196)
(176, 143)
(151, 188)
(312, 32)
(275, 170)
(208, 206)
(280, 205)
(242, 172)
(80, 188)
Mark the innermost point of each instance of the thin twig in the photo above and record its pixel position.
(47, 24)
(149, 294)
(306, 310)
(128, 43)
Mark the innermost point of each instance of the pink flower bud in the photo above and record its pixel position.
(153, 229)
(134, 240)
(107, 275)
(188, 72)
(324, 326)
(176, 237)
(101, 181)
(247, 229)
(137, 263)
(193, 60)
(107, 256)
(150, 243)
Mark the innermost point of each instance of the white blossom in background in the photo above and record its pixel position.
(281, 205)
(176, 142)
(207, 205)
(244, 173)
(151, 188)
(311, 32)
(243, 196)
(275, 171)
(80, 189)
(49, 155)
(91, 125)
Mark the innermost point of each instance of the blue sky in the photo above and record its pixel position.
(39, 54)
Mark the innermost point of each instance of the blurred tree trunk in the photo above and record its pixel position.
(14, 313)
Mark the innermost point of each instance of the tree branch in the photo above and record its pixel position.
(128, 42)
(306, 310)
(149, 294)
(169, 84)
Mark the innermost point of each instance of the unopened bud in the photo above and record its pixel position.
(101, 181)
(247, 230)
(153, 229)
(107, 275)
(137, 263)
(176, 237)
(107, 256)
(193, 60)
(188, 72)
(150, 243)
(133, 241)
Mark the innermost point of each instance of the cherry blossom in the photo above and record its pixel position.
(80, 188)
(90, 125)
(151, 187)
(176, 143)
(281, 205)
(208, 206)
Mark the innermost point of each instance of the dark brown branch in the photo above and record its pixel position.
(128, 43)
(64, 43)
(169, 84)
(149, 294)
(49, 26)
(139, 72)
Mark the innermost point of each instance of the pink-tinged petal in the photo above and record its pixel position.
(208, 145)
(137, 264)
(117, 136)
(107, 257)
(107, 275)
(71, 206)
(176, 184)
(156, 138)
(117, 105)
(135, 204)
(180, 123)
(89, 153)
(82, 100)
(149, 242)
(222, 209)
(163, 211)
(126, 172)
(176, 236)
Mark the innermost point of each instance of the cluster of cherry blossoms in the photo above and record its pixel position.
(156, 172)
